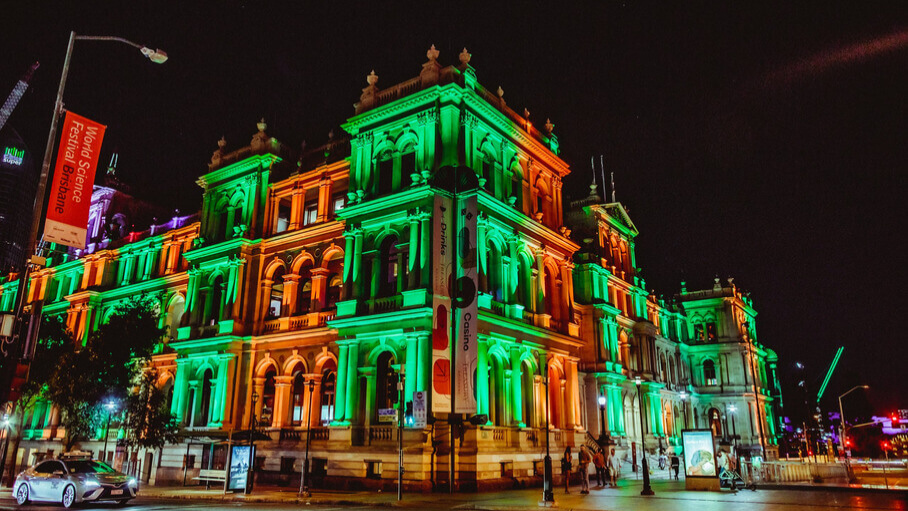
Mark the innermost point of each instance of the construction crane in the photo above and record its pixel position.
(835, 362)
(16, 95)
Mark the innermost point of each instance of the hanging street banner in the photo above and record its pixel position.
(442, 279)
(466, 301)
(66, 221)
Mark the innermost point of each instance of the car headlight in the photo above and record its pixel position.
(91, 484)
(132, 482)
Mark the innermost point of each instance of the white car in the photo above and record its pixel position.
(71, 481)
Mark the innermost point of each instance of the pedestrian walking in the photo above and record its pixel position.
(599, 463)
(566, 464)
(676, 464)
(614, 467)
(721, 463)
(584, 459)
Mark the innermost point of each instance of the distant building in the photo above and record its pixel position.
(310, 286)
(18, 179)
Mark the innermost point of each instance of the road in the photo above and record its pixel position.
(141, 504)
(668, 497)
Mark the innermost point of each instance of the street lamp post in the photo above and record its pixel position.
(647, 489)
(250, 473)
(156, 56)
(845, 432)
(684, 408)
(602, 420)
(734, 434)
(548, 494)
(304, 480)
(400, 437)
(110, 405)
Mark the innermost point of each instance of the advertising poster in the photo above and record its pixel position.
(69, 194)
(467, 306)
(699, 453)
(239, 467)
(442, 270)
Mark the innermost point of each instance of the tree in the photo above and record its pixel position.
(149, 423)
(80, 379)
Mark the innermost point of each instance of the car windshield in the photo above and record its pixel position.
(88, 467)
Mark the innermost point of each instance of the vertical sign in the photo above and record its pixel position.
(467, 306)
(74, 178)
(442, 269)
(419, 409)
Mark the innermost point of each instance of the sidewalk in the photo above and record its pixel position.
(669, 494)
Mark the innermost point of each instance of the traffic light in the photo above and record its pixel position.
(886, 445)
(895, 419)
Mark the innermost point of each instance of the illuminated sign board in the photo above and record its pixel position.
(13, 156)
(699, 453)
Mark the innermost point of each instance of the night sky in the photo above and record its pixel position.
(762, 143)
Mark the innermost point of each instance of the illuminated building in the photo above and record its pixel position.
(18, 179)
(325, 269)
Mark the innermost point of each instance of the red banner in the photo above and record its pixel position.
(66, 222)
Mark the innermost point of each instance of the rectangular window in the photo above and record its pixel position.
(310, 214)
(283, 216)
(338, 202)
(287, 464)
(711, 332)
(699, 332)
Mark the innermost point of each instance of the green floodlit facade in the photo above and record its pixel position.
(308, 286)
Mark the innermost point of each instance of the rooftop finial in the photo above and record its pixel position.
(432, 53)
(549, 126)
(465, 57)
(261, 125)
(222, 143)
(372, 79)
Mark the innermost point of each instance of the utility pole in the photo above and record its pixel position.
(400, 437)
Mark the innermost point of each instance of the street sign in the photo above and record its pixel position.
(387, 415)
(419, 409)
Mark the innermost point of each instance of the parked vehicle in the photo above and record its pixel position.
(72, 479)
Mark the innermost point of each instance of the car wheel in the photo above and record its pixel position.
(22, 494)
(69, 496)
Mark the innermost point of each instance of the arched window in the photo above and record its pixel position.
(525, 282)
(528, 386)
(205, 399)
(386, 393)
(493, 273)
(276, 300)
(175, 315)
(385, 174)
(304, 289)
(552, 300)
(663, 369)
(298, 396)
(671, 371)
(497, 397)
(327, 397)
(389, 266)
(333, 293)
(215, 305)
(709, 373)
(408, 162)
(268, 399)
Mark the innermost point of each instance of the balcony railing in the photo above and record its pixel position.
(303, 321)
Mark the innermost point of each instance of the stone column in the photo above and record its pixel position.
(482, 376)
(424, 361)
(358, 264)
(425, 249)
(516, 394)
(349, 242)
(340, 396)
(181, 389)
(410, 368)
(282, 387)
(352, 382)
(324, 198)
(223, 393)
(413, 251)
(540, 284)
(319, 289)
